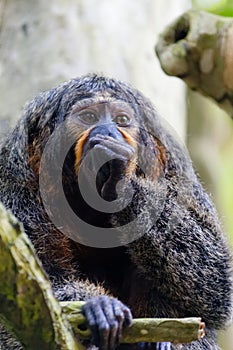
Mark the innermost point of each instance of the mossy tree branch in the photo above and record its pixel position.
(26, 298)
(39, 321)
(175, 330)
(198, 48)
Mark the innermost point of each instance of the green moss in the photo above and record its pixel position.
(207, 41)
(7, 268)
(179, 51)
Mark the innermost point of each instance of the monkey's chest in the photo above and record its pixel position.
(118, 275)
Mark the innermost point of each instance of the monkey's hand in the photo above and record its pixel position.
(117, 155)
(106, 317)
(163, 346)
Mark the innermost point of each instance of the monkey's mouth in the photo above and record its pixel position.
(106, 180)
(106, 174)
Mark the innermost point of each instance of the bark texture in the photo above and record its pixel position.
(198, 48)
(27, 302)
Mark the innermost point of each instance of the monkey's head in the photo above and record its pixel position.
(97, 133)
(103, 119)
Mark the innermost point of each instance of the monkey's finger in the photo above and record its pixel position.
(128, 318)
(163, 346)
(119, 315)
(91, 321)
(122, 312)
(119, 148)
(123, 149)
(108, 308)
(103, 150)
(97, 322)
(123, 315)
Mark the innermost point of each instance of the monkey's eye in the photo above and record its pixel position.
(122, 120)
(88, 117)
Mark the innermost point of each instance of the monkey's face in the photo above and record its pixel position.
(106, 146)
(103, 137)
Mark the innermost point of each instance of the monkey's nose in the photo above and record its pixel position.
(109, 130)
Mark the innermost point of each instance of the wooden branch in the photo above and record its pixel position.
(39, 321)
(174, 330)
(198, 48)
(26, 298)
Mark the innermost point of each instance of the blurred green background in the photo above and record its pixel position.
(219, 7)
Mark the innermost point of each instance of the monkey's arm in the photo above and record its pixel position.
(186, 258)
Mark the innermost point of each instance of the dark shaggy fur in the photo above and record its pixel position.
(180, 267)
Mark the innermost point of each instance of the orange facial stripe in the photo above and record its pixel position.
(79, 149)
(161, 158)
(128, 138)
